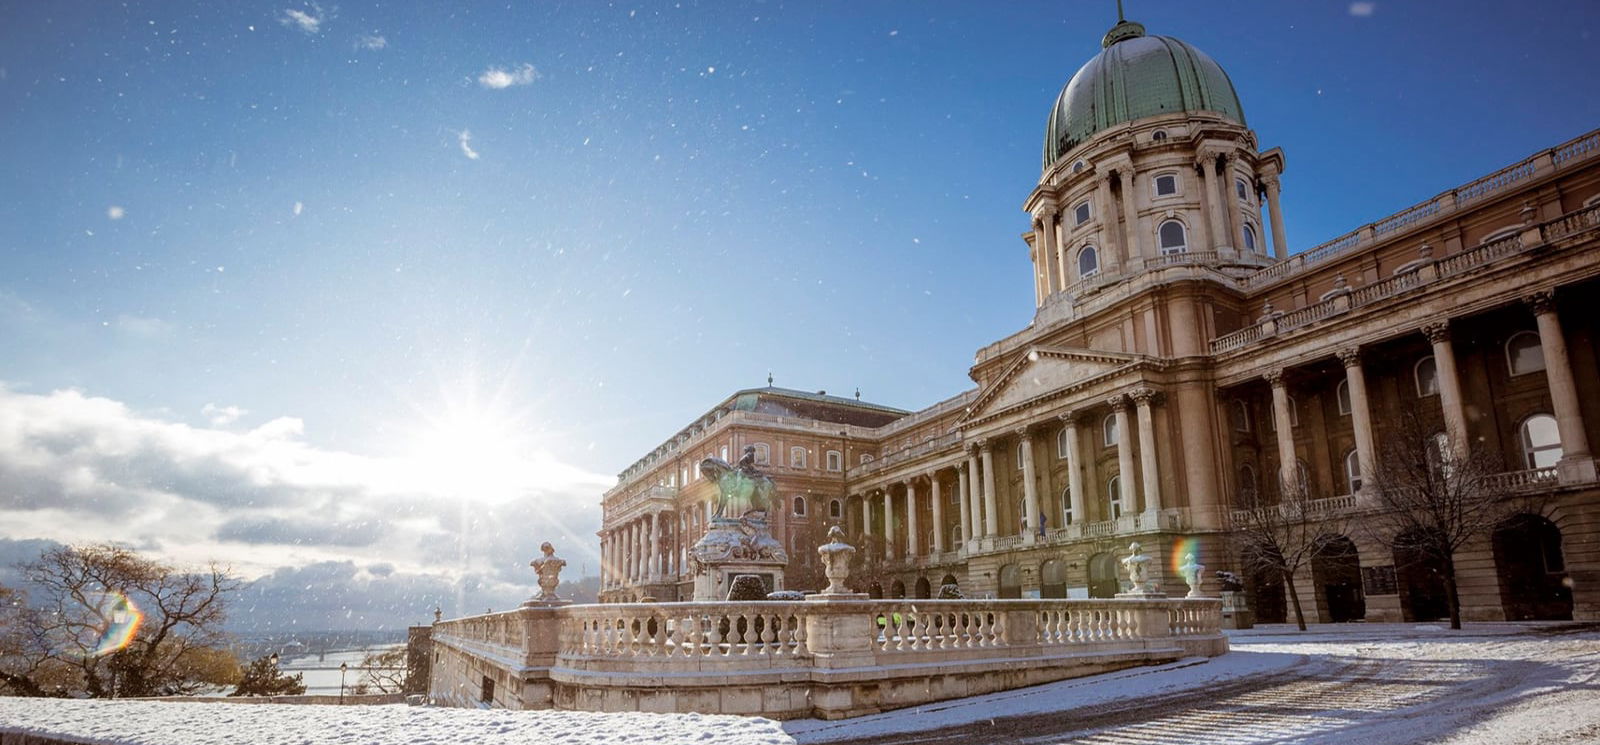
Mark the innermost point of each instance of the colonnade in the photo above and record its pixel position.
(642, 551)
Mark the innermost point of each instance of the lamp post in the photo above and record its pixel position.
(342, 668)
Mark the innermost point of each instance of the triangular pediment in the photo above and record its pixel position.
(1043, 371)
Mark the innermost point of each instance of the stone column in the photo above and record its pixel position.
(991, 518)
(1030, 490)
(628, 542)
(1074, 469)
(1444, 360)
(605, 561)
(1288, 473)
(1125, 468)
(1280, 244)
(1130, 216)
(1215, 221)
(638, 552)
(1106, 211)
(974, 496)
(1360, 412)
(866, 516)
(888, 523)
(1045, 242)
(911, 519)
(1558, 373)
(938, 511)
(964, 500)
(653, 551)
(1149, 467)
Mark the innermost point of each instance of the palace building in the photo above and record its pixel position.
(1181, 365)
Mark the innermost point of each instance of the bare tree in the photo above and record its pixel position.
(1280, 539)
(1431, 496)
(125, 625)
(26, 666)
(383, 672)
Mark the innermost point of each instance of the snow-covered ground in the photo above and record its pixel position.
(1492, 684)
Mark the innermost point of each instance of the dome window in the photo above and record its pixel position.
(1080, 214)
(1173, 239)
(1249, 238)
(1242, 189)
(1077, 167)
(1159, 135)
(1088, 262)
(1166, 184)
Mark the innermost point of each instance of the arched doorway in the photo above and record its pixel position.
(1267, 597)
(1420, 576)
(875, 591)
(1010, 581)
(923, 589)
(1053, 579)
(949, 580)
(1336, 573)
(897, 589)
(1103, 576)
(1532, 569)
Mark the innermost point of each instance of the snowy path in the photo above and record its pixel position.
(1407, 685)
(1494, 684)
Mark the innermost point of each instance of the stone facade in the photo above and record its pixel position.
(1178, 369)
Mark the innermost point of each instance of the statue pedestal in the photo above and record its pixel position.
(712, 581)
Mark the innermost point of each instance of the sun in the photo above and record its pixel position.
(471, 453)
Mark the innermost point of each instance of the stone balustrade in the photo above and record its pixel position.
(830, 656)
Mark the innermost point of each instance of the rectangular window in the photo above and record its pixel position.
(835, 461)
(486, 694)
(1166, 185)
(1080, 214)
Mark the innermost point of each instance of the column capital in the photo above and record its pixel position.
(1541, 301)
(1269, 180)
(907, 481)
(1118, 402)
(1025, 433)
(1069, 417)
(1350, 356)
(1437, 331)
(983, 445)
(1276, 376)
(1143, 396)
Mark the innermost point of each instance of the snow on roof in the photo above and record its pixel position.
(175, 723)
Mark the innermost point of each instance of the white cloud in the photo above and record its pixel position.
(115, 212)
(465, 138)
(77, 468)
(1362, 9)
(308, 21)
(496, 78)
(298, 208)
(220, 416)
(373, 42)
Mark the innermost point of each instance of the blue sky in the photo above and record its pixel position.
(575, 226)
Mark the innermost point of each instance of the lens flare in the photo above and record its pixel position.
(120, 618)
(1181, 549)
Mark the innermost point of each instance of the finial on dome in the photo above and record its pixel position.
(1124, 30)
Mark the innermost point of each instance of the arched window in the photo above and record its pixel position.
(763, 453)
(1088, 262)
(1158, 135)
(1241, 415)
(1524, 354)
(1352, 471)
(866, 458)
(1426, 373)
(1066, 506)
(835, 509)
(1247, 485)
(1061, 442)
(1303, 473)
(1342, 394)
(799, 506)
(1173, 239)
(1020, 447)
(1080, 214)
(1294, 416)
(797, 457)
(1541, 441)
(1078, 167)
(1109, 426)
(835, 460)
(1114, 496)
(1166, 184)
(1249, 237)
(723, 452)
(955, 536)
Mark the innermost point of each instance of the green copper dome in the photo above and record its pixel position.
(1133, 77)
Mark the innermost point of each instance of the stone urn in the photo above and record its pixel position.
(1191, 571)
(548, 566)
(836, 561)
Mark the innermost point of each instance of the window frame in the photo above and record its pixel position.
(798, 506)
(1061, 443)
(1108, 428)
(835, 509)
(1531, 451)
(1155, 185)
(799, 462)
(835, 461)
(1093, 254)
(1241, 189)
(1183, 231)
(1251, 242)
(1114, 502)
(763, 453)
(1352, 471)
(1087, 215)
(1241, 413)
(1341, 397)
(1066, 505)
(1416, 376)
(1538, 343)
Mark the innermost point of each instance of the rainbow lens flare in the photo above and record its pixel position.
(120, 618)
(1181, 549)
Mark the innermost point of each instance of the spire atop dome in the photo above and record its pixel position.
(1124, 30)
